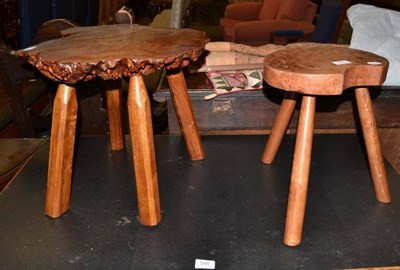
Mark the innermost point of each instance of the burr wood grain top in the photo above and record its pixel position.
(323, 69)
(114, 51)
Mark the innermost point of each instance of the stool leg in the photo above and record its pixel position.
(372, 144)
(144, 160)
(185, 115)
(62, 141)
(114, 112)
(300, 173)
(279, 128)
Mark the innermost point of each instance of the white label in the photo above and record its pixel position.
(374, 63)
(341, 62)
(204, 264)
(29, 48)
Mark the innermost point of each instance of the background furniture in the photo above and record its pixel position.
(125, 15)
(9, 24)
(108, 9)
(377, 30)
(25, 105)
(329, 21)
(51, 29)
(24, 98)
(177, 16)
(34, 13)
(311, 70)
(252, 23)
(28, 93)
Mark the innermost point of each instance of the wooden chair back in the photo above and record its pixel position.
(52, 29)
(14, 96)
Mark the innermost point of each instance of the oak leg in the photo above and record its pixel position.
(300, 173)
(185, 115)
(144, 161)
(114, 112)
(62, 141)
(372, 144)
(279, 128)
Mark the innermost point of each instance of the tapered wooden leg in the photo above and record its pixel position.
(144, 161)
(372, 144)
(300, 173)
(185, 115)
(114, 112)
(279, 128)
(62, 141)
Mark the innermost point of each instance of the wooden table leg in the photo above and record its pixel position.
(300, 173)
(279, 127)
(372, 144)
(185, 115)
(62, 141)
(114, 112)
(144, 161)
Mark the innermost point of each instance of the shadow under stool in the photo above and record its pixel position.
(310, 70)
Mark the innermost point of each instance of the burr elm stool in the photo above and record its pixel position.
(309, 70)
(112, 52)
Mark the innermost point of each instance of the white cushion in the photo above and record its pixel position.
(377, 30)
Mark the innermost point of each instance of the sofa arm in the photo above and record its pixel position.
(243, 11)
(256, 33)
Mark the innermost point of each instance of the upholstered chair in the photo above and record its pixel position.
(252, 23)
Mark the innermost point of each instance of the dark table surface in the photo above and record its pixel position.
(229, 208)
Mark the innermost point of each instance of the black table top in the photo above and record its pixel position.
(229, 208)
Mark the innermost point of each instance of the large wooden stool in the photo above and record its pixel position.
(321, 69)
(112, 52)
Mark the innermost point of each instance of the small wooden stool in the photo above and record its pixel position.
(321, 69)
(112, 52)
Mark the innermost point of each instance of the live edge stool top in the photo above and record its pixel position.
(114, 51)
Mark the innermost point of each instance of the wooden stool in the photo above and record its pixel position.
(321, 69)
(112, 52)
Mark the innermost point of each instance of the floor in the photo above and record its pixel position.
(13, 156)
(229, 208)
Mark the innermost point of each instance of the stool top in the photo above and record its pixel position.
(323, 69)
(114, 51)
